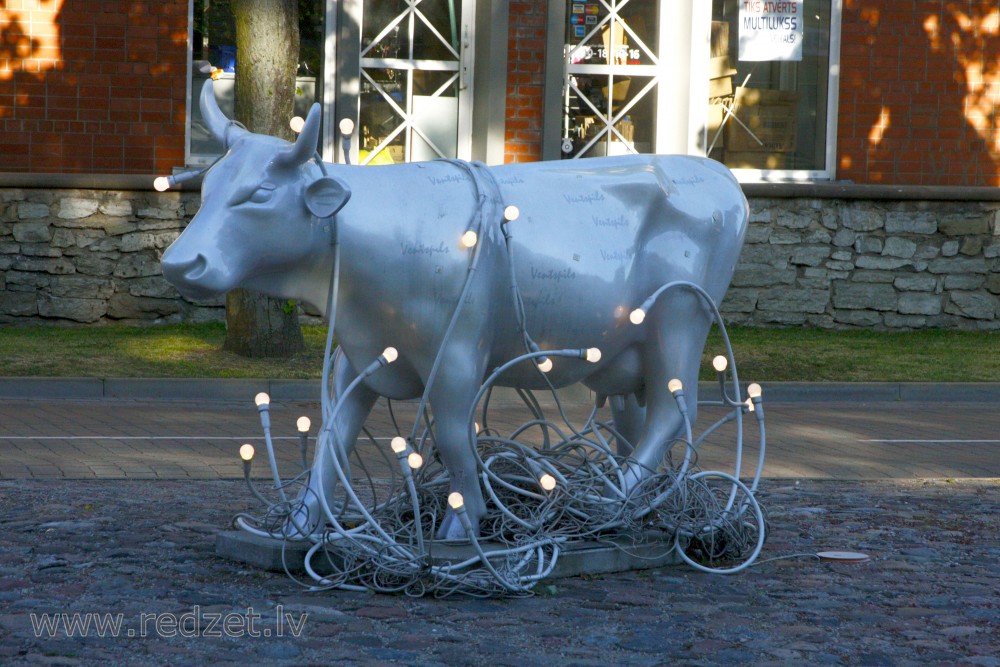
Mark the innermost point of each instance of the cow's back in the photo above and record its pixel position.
(595, 237)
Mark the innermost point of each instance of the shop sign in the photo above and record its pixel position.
(771, 30)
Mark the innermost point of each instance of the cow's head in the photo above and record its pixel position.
(265, 208)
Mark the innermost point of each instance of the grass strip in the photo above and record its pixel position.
(789, 354)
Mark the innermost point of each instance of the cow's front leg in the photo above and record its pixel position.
(451, 400)
(675, 340)
(352, 411)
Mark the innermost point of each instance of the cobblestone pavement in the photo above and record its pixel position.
(109, 509)
(144, 550)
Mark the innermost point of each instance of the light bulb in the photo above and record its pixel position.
(469, 239)
(296, 123)
(675, 386)
(398, 445)
(547, 481)
(593, 355)
(246, 452)
(511, 213)
(303, 424)
(262, 399)
(750, 407)
(545, 365)
(390, 354)
(477, 427)
(720, 363)
(415, 460)
(456, 500)
(161, 184)
(753, 391)
(347, 127)
(637, 316)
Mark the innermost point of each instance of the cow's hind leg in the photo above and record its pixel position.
(352, 412)
(676, 330)
(628, 417)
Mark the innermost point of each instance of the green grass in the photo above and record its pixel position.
(175, 350)
(793, 354)
(762, 354)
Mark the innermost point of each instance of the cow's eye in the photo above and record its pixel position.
(263, 193)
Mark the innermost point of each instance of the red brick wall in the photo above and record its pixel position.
(920, 92)
(92, 86)
(525, 79)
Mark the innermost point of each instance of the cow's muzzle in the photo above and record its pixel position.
(189, 276)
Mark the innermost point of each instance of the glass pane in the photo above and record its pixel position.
(630, 109)
(436, 30)
(408, 115)
(383, 109)
(769, 114)
(642, 18)
(627, 37)
(385, 31)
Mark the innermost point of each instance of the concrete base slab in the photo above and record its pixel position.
(578, 558)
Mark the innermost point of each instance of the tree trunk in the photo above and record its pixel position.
(267, 54)
(259, 326)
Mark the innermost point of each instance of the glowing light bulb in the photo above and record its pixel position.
(398, 445)
(545, 365)
(477, 427)
(720, 363)
(637, 316)
(161, 184)
(347, 127)
(246, 452)
(297, 123)
(593, 355)
(262, 399)
(303, 424)
(415, 460)
(754, 390)
(455, 500)
(547, 481)
(511, 213)
(675, 386)
(390, 354)
(749, 404)
(469, 239)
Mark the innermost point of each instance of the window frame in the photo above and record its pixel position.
(688, 115)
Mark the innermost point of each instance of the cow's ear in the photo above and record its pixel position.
(326, 196)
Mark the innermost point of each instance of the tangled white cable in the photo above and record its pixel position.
(379, 533)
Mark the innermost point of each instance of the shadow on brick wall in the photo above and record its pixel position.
(920, 92)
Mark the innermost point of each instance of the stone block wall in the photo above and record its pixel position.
(92, 256)
(86, 256)
(878, 264)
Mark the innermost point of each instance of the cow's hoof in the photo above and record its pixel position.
(452, 529)
(632, 477)
(302, 522)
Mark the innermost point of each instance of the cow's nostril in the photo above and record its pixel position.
(196, 269)
(183, 271)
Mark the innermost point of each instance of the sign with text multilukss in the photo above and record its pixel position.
(771, 30)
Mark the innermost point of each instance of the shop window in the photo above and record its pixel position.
(772, 94)
(213, 49)
(613, 69)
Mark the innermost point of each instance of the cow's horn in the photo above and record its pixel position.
(215, 120)
(305, 146)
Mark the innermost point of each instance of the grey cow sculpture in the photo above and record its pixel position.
(594, 239)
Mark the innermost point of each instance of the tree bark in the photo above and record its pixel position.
(267, 54)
